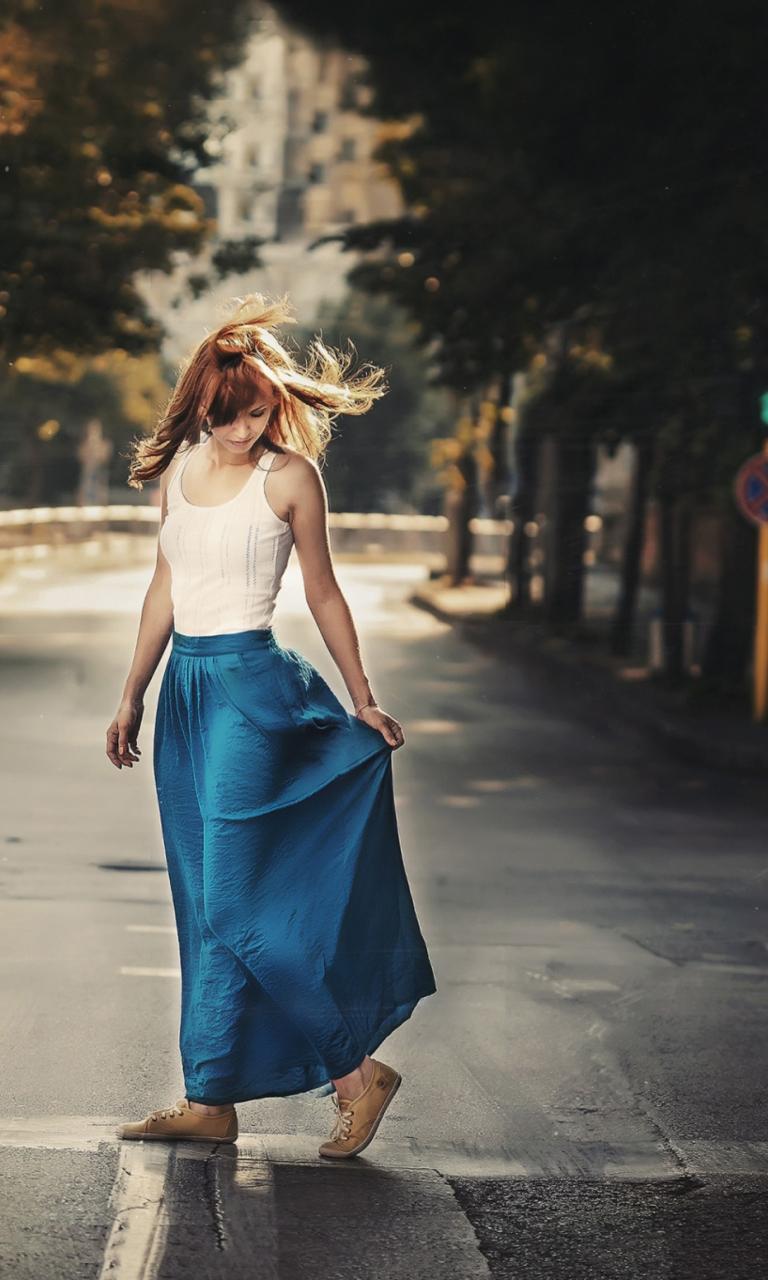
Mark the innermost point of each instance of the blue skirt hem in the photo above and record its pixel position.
(316, 1079)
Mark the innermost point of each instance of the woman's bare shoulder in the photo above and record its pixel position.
(298, 484)
(299, 463)
(176, 461)
(299, 470)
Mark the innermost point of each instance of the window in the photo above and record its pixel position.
(210, 198)
(348, 95)
(320, 122)
(317, 174)
(349, 149)
(255, 90)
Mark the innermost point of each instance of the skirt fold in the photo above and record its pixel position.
(300, 946)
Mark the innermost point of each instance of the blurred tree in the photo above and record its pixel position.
(597, 161)
(46, 403)
(380, 462)
(102, 122)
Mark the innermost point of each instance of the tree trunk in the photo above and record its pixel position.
(575, 472)
(498, 481)
(675, 582)
(523, 511)
(37, 471)
(729, 643)
(460, 508)
(626, 607)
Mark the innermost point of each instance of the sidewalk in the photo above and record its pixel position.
(617, 692)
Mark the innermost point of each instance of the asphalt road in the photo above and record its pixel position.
(584, 1096)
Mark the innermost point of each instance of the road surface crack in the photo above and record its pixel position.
(213, 1195)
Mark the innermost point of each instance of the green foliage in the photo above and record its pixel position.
(236, 257)
(586, 166)
(568, 164)
(45, 405)
(229, 258)
(102, 122)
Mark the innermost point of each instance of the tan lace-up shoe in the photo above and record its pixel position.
(358, 1119)
(180, 1122)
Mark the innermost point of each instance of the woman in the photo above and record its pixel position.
(300, 947)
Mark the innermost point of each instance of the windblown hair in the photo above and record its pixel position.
(232, 364)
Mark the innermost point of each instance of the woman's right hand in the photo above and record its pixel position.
(122, 735)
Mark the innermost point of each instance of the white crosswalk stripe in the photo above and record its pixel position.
(136, 1243)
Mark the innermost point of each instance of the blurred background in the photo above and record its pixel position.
(549, 221)
(548, 225)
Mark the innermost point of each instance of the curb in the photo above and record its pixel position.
(607, 699)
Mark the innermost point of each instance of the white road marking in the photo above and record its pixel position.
(611, 1161)
(433, 726)
(134, 971)
(136, 1242)
(604, 1160)
(491, 785)
(150, 928)
(583, 986)
(58, 1133)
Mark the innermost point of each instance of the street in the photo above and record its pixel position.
(584, 1096)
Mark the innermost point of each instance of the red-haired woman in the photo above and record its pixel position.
(300, 946)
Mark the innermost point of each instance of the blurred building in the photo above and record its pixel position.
(294, 164)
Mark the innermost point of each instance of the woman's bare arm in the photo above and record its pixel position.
(155, 629)
(309, 520)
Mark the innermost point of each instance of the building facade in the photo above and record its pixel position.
(294, 163)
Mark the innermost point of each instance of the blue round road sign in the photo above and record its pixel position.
(752, 489)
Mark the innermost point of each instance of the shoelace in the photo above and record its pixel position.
(169, 1113)
(343, 1121)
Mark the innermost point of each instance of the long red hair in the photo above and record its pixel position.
(237, 361)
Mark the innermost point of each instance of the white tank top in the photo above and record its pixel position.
(227, 562)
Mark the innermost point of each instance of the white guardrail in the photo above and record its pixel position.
(32, 532)
(78, 515)
(145, 514)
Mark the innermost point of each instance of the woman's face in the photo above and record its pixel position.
(241, 435)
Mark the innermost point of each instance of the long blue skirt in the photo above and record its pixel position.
(299, 942)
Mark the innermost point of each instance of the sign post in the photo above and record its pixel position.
(752, 497)
(761, 627)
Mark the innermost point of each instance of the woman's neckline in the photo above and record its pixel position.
(215, 506)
